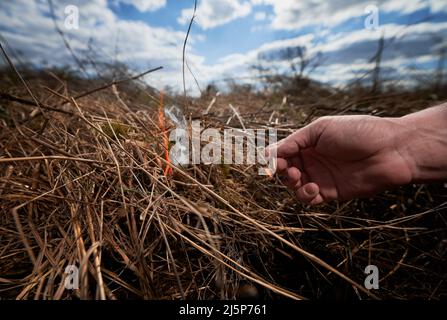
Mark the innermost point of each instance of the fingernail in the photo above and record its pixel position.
(309, 190)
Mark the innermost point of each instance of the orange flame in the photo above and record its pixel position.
(269, 172)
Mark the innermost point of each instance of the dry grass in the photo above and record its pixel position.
(88, 186)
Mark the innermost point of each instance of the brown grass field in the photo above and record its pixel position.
(83, 181)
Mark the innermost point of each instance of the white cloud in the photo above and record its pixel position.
(337, 72)
(145, 5)
(400, 32)
(132, 42)
(438, 5)
(291, 14)
(142, 46)
(214, 13)
(260, 16)
(294, 14)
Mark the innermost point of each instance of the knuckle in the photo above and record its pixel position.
(323, 120)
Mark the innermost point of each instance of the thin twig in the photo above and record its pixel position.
(115, 82)
(184, 45)
(20, 76)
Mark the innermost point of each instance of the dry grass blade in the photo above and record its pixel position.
(90, 187)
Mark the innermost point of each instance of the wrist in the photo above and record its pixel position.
(423, 144)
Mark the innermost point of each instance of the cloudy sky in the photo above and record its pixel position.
(229, 36)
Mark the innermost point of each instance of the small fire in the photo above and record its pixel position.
(162, 121)
(268, 172)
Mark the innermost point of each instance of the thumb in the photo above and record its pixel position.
(291, 145)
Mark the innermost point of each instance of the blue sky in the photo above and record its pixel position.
(229, 36)
(238, 36)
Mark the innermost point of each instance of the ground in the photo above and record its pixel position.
(83, 182)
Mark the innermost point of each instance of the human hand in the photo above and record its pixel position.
(344, 157)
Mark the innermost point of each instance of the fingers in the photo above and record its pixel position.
(309, 193)
(317, 200)
(284, 149)
(287, 164)
(291, 145)
(281, 165)
(292, 178)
